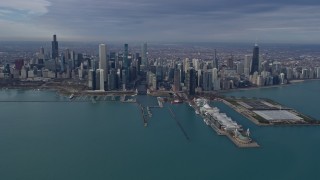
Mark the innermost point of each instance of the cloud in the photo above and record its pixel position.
(172, 20)
(38, 7)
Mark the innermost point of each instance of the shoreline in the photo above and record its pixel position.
(82, 89)
(292, 82)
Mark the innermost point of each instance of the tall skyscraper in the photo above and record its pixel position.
(247, 64)
(215, 60)
(207, 80)
(103, 60)
(41, 54)
(42, 51)
(186, 64)
(62, 63)
(99, 79)
(215, 79)
(125, 57)
(240, 67)
(55, 47)
(317, 72)
(144, 53)
(92, 79)
(176, 80)
(191, 81)
(112, 80)
(125, 64)
(112, 60)
(230, 62)
(255, 60)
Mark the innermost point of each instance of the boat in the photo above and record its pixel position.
(71, 96)
(176, 101)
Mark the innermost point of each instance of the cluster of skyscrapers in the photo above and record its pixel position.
(117, 71)
(124, 70)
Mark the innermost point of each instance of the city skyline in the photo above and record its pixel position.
(165, 21)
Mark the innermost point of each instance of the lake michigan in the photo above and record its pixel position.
(107, 140)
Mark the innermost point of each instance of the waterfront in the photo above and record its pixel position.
(107, 140)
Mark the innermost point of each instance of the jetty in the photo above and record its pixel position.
(144, 115)
(179, 124)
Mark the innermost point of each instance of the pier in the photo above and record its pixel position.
(143, 114)
(223, 125)
(179, 124)
(265, 112)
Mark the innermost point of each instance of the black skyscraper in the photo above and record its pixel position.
(55, 47)
(255, 60)
(112, 60)
(191, 81)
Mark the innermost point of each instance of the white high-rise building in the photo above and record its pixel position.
(103, 60)
(215, 79)
(186, 64)
(24, 73)
(318, 72)
(240, 68)
(259, 80)
(247, 64)
(99, 79)
(80, 71)
(282, 78)
(214, 74)
(196, 64)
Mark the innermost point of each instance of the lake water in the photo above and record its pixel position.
(107, 140)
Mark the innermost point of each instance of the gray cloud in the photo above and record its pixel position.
(176, 20)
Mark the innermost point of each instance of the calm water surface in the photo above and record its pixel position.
(107, 140)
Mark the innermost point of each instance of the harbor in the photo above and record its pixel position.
(222, 124)
(146, 112)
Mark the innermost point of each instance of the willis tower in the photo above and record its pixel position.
(55, 48)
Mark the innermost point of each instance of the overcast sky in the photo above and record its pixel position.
(289, 21)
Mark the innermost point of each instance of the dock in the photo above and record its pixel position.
(255, 110)
(252, 144)
(235, 136)
(143, 114)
